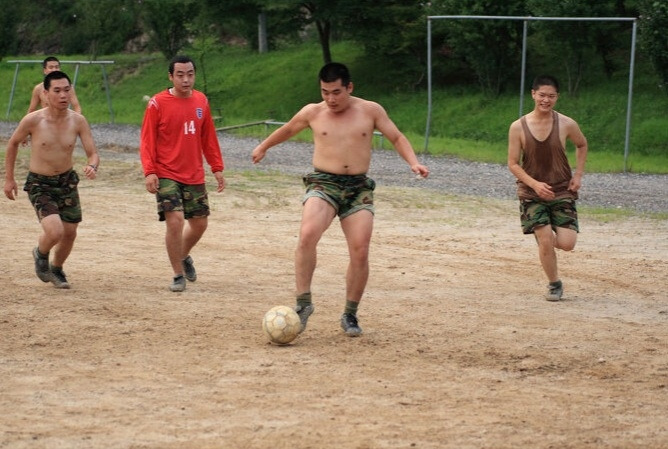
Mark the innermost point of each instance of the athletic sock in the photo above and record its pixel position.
(42, 256)
(304, 299)
(351, 307)
(556, 284)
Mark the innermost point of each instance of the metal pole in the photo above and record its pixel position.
(106, 89)
(76, 75)
(524, 65)
(11, 94)
(426, 133)
(628, 106)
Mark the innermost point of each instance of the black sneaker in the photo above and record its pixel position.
(554, 292)
(178, 284)
(189, 269)
(350, 326)
(42, 269)
(304, 312)
(59, 280)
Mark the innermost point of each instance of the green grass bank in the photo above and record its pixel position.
(244, 86)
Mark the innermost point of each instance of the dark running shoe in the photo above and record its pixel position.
(42, 269)
(304, 312)
(178, 284)
(189, 269)
(554, 292)
(59, 280)
(350, 326)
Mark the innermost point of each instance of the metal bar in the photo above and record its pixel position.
(524, 65)
(11, 93)
(628, 105)
(245, 125)
(106, 89)
(582, 19)
(76, 75)
(428, 125)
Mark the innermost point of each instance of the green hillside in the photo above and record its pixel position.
(244, 86)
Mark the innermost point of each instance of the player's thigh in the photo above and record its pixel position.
(566, 238)
(358, 228)
(317, 215)
(52, 225)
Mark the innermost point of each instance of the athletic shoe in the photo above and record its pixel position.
(304, 312)
(554, 292)
(179, 284)
(59, 280)
(189, 269)
(350, 326)
(42, 269)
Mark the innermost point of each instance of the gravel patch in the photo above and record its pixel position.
(638, 192)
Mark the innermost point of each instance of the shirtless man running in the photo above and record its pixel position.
(343, 127)
(52, 181)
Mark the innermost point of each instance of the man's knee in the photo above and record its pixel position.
(566, 239)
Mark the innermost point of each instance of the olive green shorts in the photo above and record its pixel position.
(56, 194)
(346, 193)
(557, 213)
(174, 196)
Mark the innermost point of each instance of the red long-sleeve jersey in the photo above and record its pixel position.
(176, 134)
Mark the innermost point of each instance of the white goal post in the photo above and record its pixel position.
(526, 20)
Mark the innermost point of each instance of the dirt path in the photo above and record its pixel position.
(459, 350)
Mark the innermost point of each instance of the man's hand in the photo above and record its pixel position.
(576, 182)
(11, 189)
(544, 191)
(152, 183)
(258, 155)
(420, 170)
(221, 181)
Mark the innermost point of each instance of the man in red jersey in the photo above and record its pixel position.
(177, 134)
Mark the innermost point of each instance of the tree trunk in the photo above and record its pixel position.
(324, 32)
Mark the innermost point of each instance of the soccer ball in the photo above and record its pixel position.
(281, 325)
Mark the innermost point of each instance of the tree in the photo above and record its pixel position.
(653, 37)
(8, 21)
(103, 26)
(491, 48)
(577, 43)
(168, 23)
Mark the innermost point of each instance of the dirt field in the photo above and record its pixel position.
(460, 350)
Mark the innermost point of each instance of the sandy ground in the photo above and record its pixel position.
(460, 350)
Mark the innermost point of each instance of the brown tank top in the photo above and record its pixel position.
(545, 161)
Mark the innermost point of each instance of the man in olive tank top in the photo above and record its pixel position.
(546, 187)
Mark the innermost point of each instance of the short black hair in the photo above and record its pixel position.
(49, 59)
(545, 80)
(335, 71)
(180, 59)
(55, 75)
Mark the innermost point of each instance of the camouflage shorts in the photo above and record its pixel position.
(173, 196)
(558, 214)
(346, 193)
(57, 194)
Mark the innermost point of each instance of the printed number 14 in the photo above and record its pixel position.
(189, 127)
